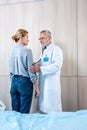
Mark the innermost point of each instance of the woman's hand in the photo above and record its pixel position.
(37, 92)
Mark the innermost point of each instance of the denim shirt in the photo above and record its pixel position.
(20, 61)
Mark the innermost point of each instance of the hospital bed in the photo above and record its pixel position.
(11, 120)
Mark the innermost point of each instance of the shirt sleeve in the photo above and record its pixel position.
(56, 63)
(32, 76)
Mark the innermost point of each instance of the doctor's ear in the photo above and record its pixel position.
(49, 39)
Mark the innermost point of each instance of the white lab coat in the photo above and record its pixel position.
(49, 79)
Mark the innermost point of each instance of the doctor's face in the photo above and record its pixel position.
(44, 39)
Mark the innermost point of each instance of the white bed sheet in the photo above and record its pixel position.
(11, 120)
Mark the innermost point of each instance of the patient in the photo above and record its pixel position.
(22, 79)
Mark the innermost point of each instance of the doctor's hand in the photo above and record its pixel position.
(35, 68)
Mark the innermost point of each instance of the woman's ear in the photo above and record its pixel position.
(21, 38)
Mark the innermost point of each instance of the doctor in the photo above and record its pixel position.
(49, 70)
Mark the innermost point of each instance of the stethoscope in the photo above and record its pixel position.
(37, 62)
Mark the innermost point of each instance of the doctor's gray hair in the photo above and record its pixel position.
(47, 32)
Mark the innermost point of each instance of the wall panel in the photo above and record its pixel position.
(82, 87)
(13, 17)
(82, 37)
(26, 15)
(69, 93)
(82, 53)
(60, 18)
(5, 91)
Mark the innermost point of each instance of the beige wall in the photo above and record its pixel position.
(67, 21)
(82, 54)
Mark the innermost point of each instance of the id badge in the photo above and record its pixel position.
(45, 59)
